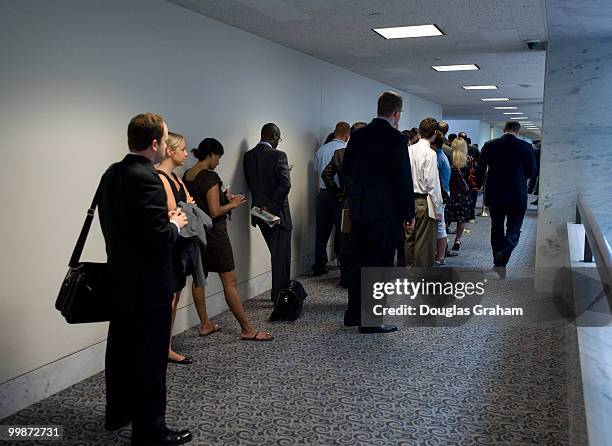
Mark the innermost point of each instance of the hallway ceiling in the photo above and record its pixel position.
(489, 33)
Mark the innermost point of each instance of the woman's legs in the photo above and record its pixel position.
(199, 299)
(171, 353)
(460, 228)
(232, 297)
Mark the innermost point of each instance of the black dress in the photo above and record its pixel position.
(219, 257)
(460, 205)
(180, 276)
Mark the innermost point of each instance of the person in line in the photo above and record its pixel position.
(446, 147)
(175, 156)
(413, 136)
(266, 170)
(474, 156)
(207, 189)
(340, 190)
(444, 171)
(327, 205)
(510, 162)
(425, 179)
(139, 233)
(460, 204)
(380, 201)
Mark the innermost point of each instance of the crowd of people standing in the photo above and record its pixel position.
(391, 196)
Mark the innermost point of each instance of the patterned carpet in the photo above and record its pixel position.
(489, 381)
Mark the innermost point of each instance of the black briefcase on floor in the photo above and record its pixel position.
(85, 292)
(290, 302)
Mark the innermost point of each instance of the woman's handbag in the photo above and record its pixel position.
(84, 295)
(458, 185)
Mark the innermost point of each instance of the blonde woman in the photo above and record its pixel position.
(460, 203)
(175, 156)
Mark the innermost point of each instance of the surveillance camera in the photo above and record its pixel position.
(532, 44)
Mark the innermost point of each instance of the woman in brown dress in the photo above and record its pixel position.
(207, 189)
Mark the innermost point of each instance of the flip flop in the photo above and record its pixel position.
(256, 339)
(214, 329)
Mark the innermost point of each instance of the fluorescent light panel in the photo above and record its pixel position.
(494, 99)
(406, 32)
(480, 87)
(504, 108)
(514, 113)
(519, 117)
(469, 67)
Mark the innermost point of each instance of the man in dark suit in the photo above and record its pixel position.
(508, 163)
(267, 173)
(381, 200)
(139, 233)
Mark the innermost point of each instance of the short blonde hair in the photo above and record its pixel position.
(459, 153)
(174, 141)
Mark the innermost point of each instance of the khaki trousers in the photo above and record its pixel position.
(420, 244)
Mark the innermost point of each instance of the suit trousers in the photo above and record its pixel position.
(278, 240)
(504, 242)
(369, 246)
(421, 242)
(327, 215)
(136, 362)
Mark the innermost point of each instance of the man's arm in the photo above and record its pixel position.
(402, 181)
(481, 169)
(281, 172)
(328, 175)
(432, 181)
(150, 197)
(529, 161)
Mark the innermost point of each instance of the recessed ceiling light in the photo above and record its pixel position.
(480, 87)
(504, 108)
(495, 99)
(405, 32)
(519, 117)
(469, 67)
(513, 113)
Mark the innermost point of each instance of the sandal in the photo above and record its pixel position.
(456, 246)
(214, 328)
(256, 339)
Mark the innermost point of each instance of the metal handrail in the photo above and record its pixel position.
(595, 245)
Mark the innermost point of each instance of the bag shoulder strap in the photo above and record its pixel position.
(80, 244)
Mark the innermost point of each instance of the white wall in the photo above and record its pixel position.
(478, 131)
(74, 73)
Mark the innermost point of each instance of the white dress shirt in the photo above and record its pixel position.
(324, 155)
(425, 176)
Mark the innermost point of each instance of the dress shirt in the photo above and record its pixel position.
(425, 176)
(324, 156)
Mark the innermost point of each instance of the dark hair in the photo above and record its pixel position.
(469, 140)
(413, 132)
(330, 137)
(143, 130)
(443, 127)
(208, 146)
(269, 131)
(452, 137)
(439, 141)
(428, 127)
(463, 136)
(513, 126)
(357, 125)
(537, 141)
(388, 103)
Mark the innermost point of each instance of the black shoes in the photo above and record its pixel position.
(456, 246)
(185, 361)
(171, 438)
(379, 329)
(116, 424)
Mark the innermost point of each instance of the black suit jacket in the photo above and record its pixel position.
(511, 162)
(267, 174)
(138, 234)
(376, 159)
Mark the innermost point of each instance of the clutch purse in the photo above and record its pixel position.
(84, 294)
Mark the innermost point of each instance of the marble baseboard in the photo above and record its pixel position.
(27, 389)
